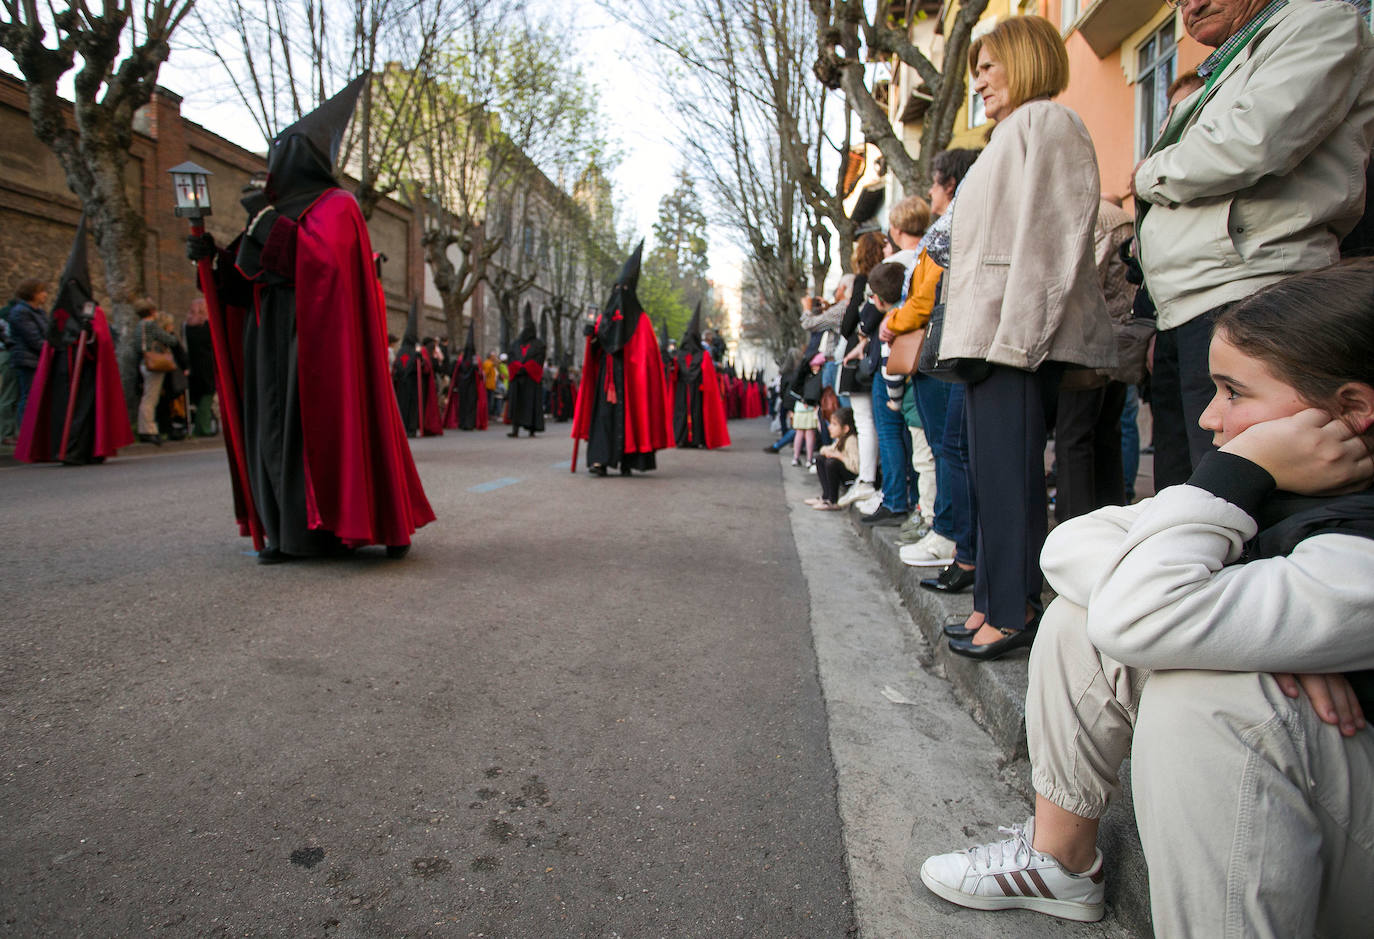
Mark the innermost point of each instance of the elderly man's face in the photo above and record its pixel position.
(1212, 22)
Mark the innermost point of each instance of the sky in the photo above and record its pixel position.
(636, 107)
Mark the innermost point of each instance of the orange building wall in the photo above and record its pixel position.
(1098, 92)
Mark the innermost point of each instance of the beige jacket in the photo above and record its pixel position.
(1269, 173)
(1023, 286)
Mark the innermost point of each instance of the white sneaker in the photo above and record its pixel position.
(857, 493)
(934, 550)
(1011, 875)
(870, 505)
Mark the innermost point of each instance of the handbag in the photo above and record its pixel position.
(904, 353)
(970, 371)
(155, 361)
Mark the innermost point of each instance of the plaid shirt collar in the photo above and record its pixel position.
(1243, 36)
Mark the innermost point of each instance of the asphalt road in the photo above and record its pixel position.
(580, 707)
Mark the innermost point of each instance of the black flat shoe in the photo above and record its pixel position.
(955, 628)
(397, 551)
(1011, 639)
(953, 579)
(272, 556)
(597, 469)
(514, 433)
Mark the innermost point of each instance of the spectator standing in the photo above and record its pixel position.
(151, 338)
(200, 376)
(1257, 176)
(860, 321)
(28, 325)
(9, 382)
(907, 223)
(1087, 436)
(1024, 301)
(948, 170)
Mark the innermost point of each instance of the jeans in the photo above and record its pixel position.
(932, 403)
(1180, 390)
(25, 378)
(830, 372)
(785, 439)
(1130, 441)
(953, 449)
(894, 453)
(9, 398)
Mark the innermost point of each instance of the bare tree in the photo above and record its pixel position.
(94, 149)
(848, 36)
(287, 56)
(503, 112)
(753, 116)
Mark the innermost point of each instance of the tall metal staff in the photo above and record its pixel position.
(191, 184)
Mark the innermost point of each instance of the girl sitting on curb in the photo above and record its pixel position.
(1187, 631)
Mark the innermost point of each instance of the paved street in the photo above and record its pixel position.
(580, 707)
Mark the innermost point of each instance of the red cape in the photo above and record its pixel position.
(451, 411)
(431, 425)
(712, 406)
(112, 431)
(361, 482)
(646, 405)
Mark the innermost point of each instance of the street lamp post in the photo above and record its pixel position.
(191, 185)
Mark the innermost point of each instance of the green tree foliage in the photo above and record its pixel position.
(674, 277)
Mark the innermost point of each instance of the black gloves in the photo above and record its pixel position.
(200, 247)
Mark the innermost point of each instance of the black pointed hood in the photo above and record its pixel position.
(527, 331)
(412, 335)
(470, 345)
(624, 295)
(691, 337)
(300, 162)
(74, 287)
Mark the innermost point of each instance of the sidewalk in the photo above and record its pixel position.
(136, 450)
(915, 776)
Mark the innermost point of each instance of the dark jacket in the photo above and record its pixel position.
(28, 327)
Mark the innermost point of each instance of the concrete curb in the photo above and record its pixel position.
(995, 694)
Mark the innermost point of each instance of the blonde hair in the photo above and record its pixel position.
(911, 215)
(1031, 51)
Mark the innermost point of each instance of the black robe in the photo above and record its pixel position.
(606, 443)
(467, 376)
(525, 391)
(405, 378)
(689, 427)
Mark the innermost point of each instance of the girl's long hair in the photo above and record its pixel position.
(1314, 331)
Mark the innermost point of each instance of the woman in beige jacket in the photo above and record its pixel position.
(1024, 304)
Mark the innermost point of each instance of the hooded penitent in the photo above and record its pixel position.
(525, 389)
(621, 402)
(76, 411)
(412, 376)
(694, 389)
(467, 391)
(325, 460)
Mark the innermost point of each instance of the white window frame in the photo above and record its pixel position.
(1170, 28)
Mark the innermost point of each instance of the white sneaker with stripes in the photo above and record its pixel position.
(1011, 875)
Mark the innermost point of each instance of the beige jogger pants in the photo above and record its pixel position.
(1257, 819)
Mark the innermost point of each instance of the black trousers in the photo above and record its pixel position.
(833, 474)
(1087, 447)
(1180, 390)
(1008, 413)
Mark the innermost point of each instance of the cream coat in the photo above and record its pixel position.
(1269, 173)
(1023, 285)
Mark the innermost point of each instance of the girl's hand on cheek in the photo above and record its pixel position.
(1309, 453)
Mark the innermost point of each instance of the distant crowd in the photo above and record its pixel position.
(1218, 632)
